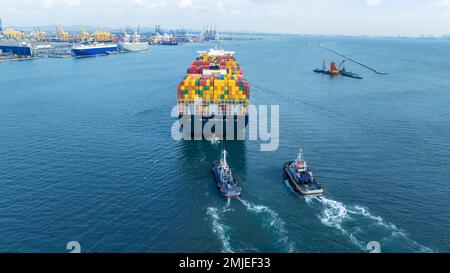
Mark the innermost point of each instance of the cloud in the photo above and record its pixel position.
(274, 13)
(443, 3)
(145, 3)
(73, 3)
(373, 2)
(375, 17)
(50, 4)
(47, 4)
(185, 4)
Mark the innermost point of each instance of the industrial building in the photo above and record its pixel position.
(14, 46)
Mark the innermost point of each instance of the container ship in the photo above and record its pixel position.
(84, 50)
(214, 91)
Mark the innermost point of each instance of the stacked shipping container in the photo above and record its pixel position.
(214, 79)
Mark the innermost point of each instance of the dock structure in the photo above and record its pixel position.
(353, 60)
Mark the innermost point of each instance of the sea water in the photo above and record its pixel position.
(86, 152)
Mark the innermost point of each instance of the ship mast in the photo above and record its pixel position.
(224, 153)
(222, 166)
(300, 155)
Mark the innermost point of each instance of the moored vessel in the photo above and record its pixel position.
(302, 178)
(133, 43)
(224, 178)
(83, 50)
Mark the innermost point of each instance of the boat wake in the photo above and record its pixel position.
(271, 217)
(227, 206)
(214, 140)
(220, 229)
(356, 223)
(274, 221)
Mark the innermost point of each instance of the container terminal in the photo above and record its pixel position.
(58, 43)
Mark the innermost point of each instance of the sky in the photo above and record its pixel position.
(327, 17)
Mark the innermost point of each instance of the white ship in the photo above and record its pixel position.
(133, 43)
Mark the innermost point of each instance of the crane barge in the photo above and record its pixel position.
(335, 71)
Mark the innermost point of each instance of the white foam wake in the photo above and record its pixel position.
(334, 214)
(354, 221)
(227, 206)
(220, 229)
(307, 199)
(214, 140)
(274, 221)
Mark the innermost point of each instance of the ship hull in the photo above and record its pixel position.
(133, 47)
(313, 190)
(224, 127)
(169, 43)
(231, 194)
(94, 51)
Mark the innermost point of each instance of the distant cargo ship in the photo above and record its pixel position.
(94, 49)
(171, 42)
(133, 43)
(214, 90)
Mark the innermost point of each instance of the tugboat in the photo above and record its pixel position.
(225, 181)
(301, 176)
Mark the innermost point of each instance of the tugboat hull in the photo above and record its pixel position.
(225, 193)
(314, 189)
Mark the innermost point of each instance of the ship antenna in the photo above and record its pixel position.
(225, 156)
(300, 155)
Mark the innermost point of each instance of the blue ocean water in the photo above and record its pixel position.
(86, 153)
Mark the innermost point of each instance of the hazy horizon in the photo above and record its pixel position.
(309, 17)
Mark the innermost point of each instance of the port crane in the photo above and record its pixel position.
(62, 35)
